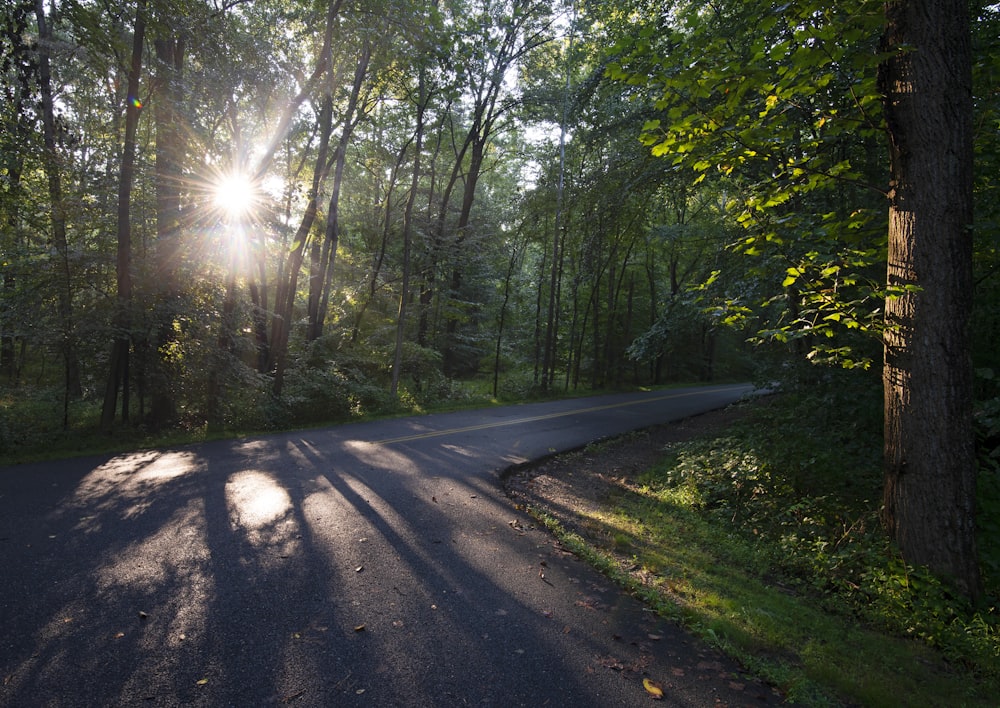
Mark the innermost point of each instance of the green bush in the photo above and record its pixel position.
(800, 477)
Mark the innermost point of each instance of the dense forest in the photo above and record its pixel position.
(221, 214)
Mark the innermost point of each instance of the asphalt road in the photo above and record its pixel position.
(374, 564)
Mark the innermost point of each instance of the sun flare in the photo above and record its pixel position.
(235, 195)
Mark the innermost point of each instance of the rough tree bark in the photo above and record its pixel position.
(930, 465)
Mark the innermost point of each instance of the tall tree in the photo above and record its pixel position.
(57, 208)
(18, 126)
(118, 375)
(790, 116)
(170, 148)
(324, 252)
(930, 483)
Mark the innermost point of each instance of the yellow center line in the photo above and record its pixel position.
(531, 419)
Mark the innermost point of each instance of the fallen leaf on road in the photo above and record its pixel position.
(610, 662)
(653, 689)
(359, 628)
(201, 682)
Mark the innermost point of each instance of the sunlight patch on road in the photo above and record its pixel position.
(461, 450)
(255, 501)
(261, 510)
(379, 456)
(166, 466)
(125, 486)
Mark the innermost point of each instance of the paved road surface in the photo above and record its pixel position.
(375, 564)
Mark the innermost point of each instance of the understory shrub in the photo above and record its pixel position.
(801, 477)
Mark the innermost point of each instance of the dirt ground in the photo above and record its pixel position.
(573, 486)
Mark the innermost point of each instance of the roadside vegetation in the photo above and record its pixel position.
(31, 428)
(765, 540)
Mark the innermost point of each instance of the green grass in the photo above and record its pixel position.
(766, 544)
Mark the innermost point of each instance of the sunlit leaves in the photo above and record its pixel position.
(780, 104)
(653, 689)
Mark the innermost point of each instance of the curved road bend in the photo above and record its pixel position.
(374, 564)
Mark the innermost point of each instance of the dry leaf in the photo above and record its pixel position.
(201, 682)
(653, 689)
(359, 628)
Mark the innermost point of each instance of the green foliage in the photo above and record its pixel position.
(762, 541)
(334, 389)
(798, 479)
(780, 106)
(987, 418)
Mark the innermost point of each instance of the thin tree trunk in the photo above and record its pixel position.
(404, 293)
(319, 291)
(376, 270)
(169, 156)
(58, 215)
(512, 266)
(284, 299)
(930, 463)
(118, 374)
(11, 226)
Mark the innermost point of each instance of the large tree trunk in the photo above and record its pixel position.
(930, 465)
(118, 374)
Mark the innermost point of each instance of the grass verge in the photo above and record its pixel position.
(769, 548)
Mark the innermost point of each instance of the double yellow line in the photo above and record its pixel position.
(532, 419)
